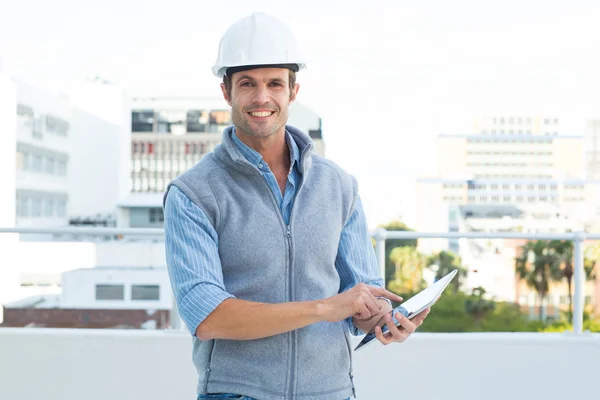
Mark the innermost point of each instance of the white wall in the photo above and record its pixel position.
(100, 164)
(144, 253)
(122, 365)
(79, 288)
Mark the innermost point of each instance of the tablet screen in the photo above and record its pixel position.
(414, 305)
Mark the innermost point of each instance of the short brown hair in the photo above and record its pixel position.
(228, 84)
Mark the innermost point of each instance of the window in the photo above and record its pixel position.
(62, 168)
(145, 292)
(156, 215)
(37, 163)
(218, 120)
(173, 122)
(196, 120)
(50, 165)
(22, 206)
(142, 121)
(110, 292)
(56, 125)
(61, 209)
(36, 208)
(49, 208)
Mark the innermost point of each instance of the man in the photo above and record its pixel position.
(267, 246)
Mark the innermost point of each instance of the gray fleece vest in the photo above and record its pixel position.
(266, 261)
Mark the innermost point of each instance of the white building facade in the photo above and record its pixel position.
(519, 164)
(169, 136)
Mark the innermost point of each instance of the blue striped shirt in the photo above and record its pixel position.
(192, 245)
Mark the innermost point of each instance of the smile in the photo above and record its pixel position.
(261, 113)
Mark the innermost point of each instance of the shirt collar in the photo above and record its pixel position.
(254, 156)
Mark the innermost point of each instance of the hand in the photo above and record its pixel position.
(366, 325)
(407, 327)
(359, 302)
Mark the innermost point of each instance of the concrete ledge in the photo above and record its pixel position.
(69, 364)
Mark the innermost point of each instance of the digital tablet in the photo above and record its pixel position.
(412, 307)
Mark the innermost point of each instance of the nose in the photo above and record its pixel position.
(261, 94)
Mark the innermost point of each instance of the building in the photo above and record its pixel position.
(517, 125)
(101, 297)
(518, 164)
(67, 153)
(171, 134)
(61, 162)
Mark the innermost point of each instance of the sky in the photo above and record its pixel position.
(385, 76)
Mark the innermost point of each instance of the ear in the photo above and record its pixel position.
(294, 93)
(225, 96)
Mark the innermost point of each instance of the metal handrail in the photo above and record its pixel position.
(380, 235)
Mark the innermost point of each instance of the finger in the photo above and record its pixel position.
(406, 323)
(374, 300)
(381, 292)
(364, 313)
(398, 335)
(379, 335)
(373, 305)
(421, 317)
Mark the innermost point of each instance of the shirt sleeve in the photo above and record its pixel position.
(191, 246)
(356, 261)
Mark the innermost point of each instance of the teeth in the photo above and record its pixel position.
(261, 113)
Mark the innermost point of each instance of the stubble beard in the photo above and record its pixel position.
(242, 122)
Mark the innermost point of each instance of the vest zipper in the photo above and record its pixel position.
(293, 333)
(288, 234)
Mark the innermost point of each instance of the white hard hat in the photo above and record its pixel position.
(257, 41)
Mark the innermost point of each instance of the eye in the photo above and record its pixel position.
(275, 84)
(247, 84)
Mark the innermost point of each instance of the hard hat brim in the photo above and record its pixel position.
(232, 70)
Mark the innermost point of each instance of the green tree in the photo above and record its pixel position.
(445, 262)
(477, 306)
(391, 244)
(409, 265)
(538, 265)
(564, 250)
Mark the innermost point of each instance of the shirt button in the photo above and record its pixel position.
(260, 166)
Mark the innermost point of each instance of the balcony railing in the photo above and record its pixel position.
(380, 236)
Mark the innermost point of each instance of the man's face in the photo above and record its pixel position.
(260, 100)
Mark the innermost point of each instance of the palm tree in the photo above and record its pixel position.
(564, 250)
(478, 306)
(409, 264)
(445, 262)
(539, 264)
